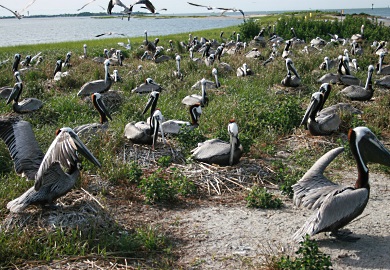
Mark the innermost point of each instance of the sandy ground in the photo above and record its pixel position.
(232, 236)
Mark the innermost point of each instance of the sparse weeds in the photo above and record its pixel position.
(259, 197)
(309, 257)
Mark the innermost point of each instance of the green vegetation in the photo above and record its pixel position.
(309, 257)
(267, 121)
(259, 197)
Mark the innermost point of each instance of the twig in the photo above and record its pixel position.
(93, 197)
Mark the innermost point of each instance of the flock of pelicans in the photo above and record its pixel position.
(56, 171)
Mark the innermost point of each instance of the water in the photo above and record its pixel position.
(58, 29)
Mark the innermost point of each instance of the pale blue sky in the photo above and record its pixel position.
(180, 6)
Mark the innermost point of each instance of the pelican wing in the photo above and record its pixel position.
(97, 86)
(86, 5)
(146, 88)
(63, 150)
(192, 99)
(211, 148)
(209, 84)
(338, 208)
(23, 147)
(311, 189)
(27, 6)
(197, 5)
(13, 12)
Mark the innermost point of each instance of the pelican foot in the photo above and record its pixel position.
(344, 235)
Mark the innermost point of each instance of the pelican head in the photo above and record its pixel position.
(156, 125)
(325, 89)
(290, 67)
(58, 66)
(152, 102)
(326, 60)
(107, 73)
(366, 147)
(15, 65)
(316, 102)
(195, 112)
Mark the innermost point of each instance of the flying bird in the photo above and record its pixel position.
(197, 5)
(110, 33)
(86, 5)
(18, 14)
(233, 10)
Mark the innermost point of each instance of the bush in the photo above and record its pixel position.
(249, 29)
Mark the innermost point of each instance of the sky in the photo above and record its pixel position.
(51, 7)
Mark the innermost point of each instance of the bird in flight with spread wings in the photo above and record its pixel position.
(197, 5)
(224, 9)
(18, 14)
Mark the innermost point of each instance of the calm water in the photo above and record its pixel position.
(47, 30)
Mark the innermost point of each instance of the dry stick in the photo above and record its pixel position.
(93, 197)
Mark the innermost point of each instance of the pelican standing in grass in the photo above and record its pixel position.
(193, 99)
(97, 86)
(356, 92)
(337, 205)
(93, 128)
(177, 73)
(55, 173)
(176, 126)
(218, 151)
(26, 105)
(291, 80)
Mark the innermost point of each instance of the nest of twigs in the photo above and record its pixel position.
(78, 209)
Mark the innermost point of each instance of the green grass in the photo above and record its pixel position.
(265, 120)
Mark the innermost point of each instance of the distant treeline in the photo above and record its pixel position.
(309, 28)
(82, 14)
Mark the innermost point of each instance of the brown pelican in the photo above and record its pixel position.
(51, 182)
(383, 70)
(150, 46)
(58, 74)
(175, 126)
(294, 80)
(126, 46)
(86, 5)
(26, 105)
(358, 37)
(218, 151)
(381, 48)
(209, 84)
(197, 5)
(177, 73)
(355, 92)
(348, 79)
(384, 82)
(356, 48)
(337, 205)
(145, 133)
(331, 77)
(233, 10)
(209, 60)
(147, 4)
(15, 65)
(319, 125)
(109, 34)
(328, 64)
(93, 128)
(286, 50)
(193, 99)
(97, 86)
(101, 59)
(148, 86)
(112, 3)
(243, 71)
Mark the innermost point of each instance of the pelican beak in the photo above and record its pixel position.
(157, 125)
(314, 102)
(82, 149)
(152, 102)
(15, 92)
(370, 148)
(292, 68)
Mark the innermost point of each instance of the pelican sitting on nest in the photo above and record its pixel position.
(218, 151)
(244, 71)
(51, 182)
(175, 126)
(145, 133)
(319, 125)
(93, 128)
(355, 92)
(294, 80)
(97, 86)
(58, 74)
(26, 105)
(193, 99)
(336, 205)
